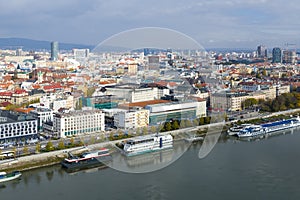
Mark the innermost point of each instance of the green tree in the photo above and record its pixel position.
(201, 121)
(168, 126)
(182, 123)
(61, 144)
(72, 141)
(264, 72)
(175, 125)
(25, 150)
(138, 131)
(90, 91)
(49, 146)
(207, 120)
(153, 129)
(196, 122)
(145, 130)
(92, 140)
(38, 148)
(188, 123)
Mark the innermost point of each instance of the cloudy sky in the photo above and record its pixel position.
(212, 23)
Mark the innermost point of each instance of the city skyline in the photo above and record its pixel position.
(223, 24)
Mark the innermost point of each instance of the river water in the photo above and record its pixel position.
(261, 169)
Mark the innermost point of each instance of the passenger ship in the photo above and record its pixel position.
(263, 129)
(236, 129)
(86, 160)
(147, 144)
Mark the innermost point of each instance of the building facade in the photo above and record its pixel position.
(276, 55)
(78, 123)
(15, 127)
(42, 115)
(131, 119)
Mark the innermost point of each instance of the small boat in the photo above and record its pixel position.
(9, 176)
(236, 129)
(194, 139)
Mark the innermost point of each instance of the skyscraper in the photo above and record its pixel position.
(276, 55)
(262, 51)
(54, 51)
(289, 57)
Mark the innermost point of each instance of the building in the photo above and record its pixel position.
(78, 123)
(262, 51)
(135, 93)
(42, 115)
(54, 51)
(232, 101)
(131, 119)
(289, 57)
(81, 55)
(16, 127)
(165, 112)
(276, 55)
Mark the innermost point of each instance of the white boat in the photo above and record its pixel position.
(263, 129)
(9, 176)
(194, 139)
(251, 131)
(147, 144)
(236, 129)
(281, 125)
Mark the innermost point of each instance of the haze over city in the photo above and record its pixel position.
(216, 23)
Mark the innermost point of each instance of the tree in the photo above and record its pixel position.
(72, 141)
(145, 130)
(92, 140)
(188, 123)
(49, 146)
(153, 129)
(182, 123)
(90, 91)
(25, 150)
(61, 144)
(38, 148)
(175, 125)
(138, 131)
(196, 122)
(264, 72)
(168, 126)
(207, 120)
(201, 121)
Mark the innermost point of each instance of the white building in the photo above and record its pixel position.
(78, 123)
(57, 101)
(127, 119)
(136, 94)
(42, 115)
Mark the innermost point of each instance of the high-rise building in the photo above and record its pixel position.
(276, 55)
(262, 51)
(54, 50)
(289, 57)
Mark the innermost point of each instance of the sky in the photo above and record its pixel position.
(212, 23)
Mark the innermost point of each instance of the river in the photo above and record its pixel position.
(261, 169)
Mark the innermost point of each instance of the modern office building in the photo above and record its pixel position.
(289, 57)
(276, 55)
(16, 127)
(131, 119)
(54, 51)
(262, 51)
(78, 123)
(135, 93)
(165, 112)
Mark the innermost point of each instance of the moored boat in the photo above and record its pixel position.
(9, 176)
(236, 129)
(87, 159)
(267, 128)
(147, 144)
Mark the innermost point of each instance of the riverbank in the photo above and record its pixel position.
(55, 157)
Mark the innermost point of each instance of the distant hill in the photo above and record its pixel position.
(29, 44)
